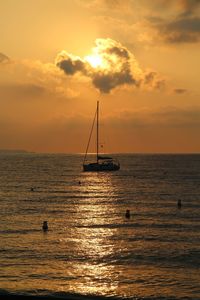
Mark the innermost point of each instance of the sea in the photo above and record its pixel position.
(91, 249)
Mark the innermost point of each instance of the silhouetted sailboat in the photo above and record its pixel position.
(102, 163)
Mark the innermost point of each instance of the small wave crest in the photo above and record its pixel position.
(44, 295)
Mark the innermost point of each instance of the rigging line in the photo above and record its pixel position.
(90, 136)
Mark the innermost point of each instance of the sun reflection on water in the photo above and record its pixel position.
(95, 240)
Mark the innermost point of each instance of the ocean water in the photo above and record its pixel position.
(91, 249)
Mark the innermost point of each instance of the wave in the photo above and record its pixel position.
(186, 227)
(44, 295)
(22, 231)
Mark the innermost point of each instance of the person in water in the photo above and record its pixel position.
(179, 204)
(45, 226)
(128, 214)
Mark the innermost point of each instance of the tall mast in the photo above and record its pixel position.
(97, 131)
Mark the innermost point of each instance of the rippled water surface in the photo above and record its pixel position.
(91, 248)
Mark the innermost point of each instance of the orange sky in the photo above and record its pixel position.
(139, 57)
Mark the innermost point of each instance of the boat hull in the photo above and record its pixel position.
(96, 167)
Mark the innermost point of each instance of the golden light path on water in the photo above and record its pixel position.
(93, 237)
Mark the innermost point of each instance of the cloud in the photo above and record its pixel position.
(166, 116)
(189, 6)
(70, 64)
(180, 91)
(152, 130)
(180, 23)
(182, 30)
(153, 80)
(3, 58)
(106, 82)
(105, 5)
(174, 116)
(21, 90)
(109, 66)
(29, 79)
(179, 7)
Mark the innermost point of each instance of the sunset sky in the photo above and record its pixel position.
(140, 58)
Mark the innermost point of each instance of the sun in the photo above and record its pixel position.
(94, 60)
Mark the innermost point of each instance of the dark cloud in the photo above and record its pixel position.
(183, 30)
(4, 58)
(153, 80)
(181, 23)
(106, 82)
(149, 77)
(189, 6)
(69, 64)
(120, 52)
(159, 84)
(115, 68)
(179, 30)
(180, 91)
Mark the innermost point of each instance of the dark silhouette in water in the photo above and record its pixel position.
(128, 214)
(79, 182)
(179, 204)
(45, 226)
(32, 189)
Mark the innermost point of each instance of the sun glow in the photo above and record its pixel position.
(94, 60)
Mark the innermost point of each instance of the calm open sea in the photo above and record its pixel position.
(91, 249)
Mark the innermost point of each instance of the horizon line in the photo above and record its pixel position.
(91, 153)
